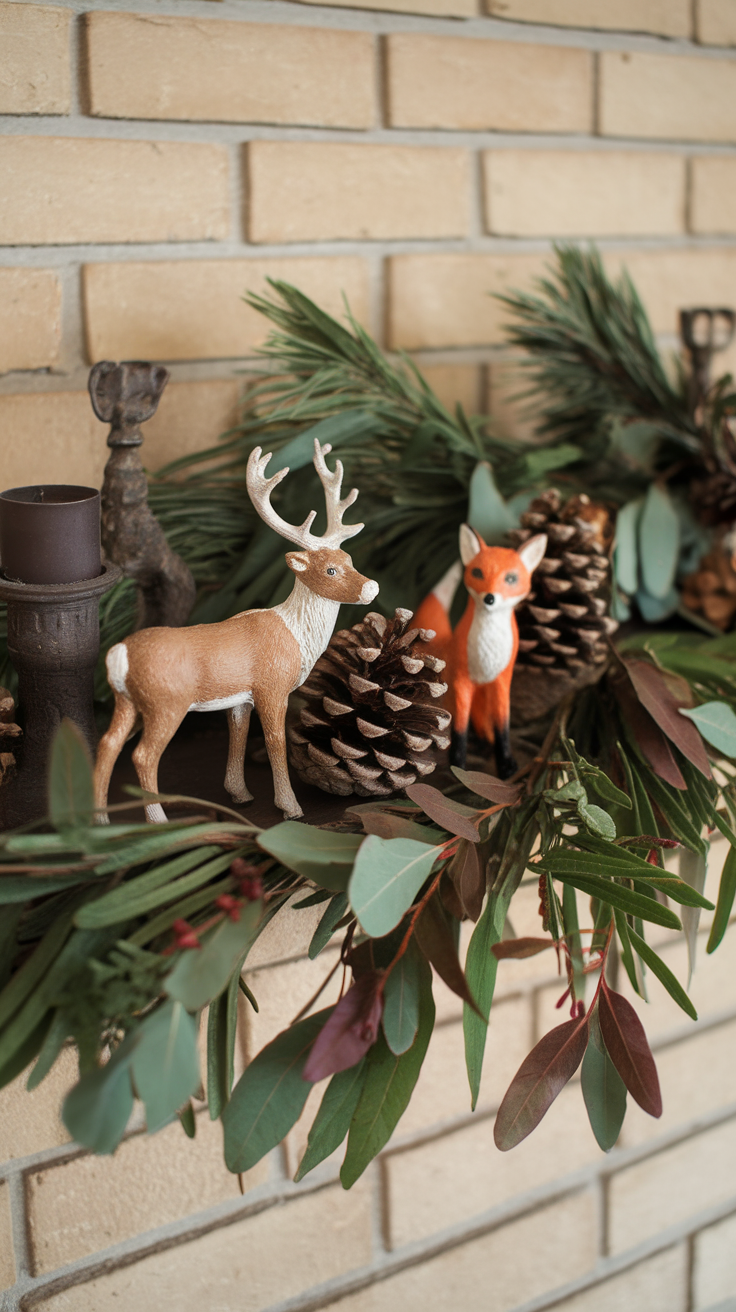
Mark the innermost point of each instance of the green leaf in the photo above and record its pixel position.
(692, 866)
(122, 903)
(188, 1120)
(270, 1095)
(200, 974)
(488, 513)
(321, 855)
(387, 876)
(663, 973)
(604, 1092)
(26, 1050)
(389, 1084)
(331, 917)
(401, 1000)
(165, 1063)
(596, 819)
(71, 793)
(53, 1043)
(724, 905)
(626, 553)
(615, 895)
(332, 1121)
(221, 1022)
(659, 541)
(717, 723)
(480, 972)
(163, 839)
(98, 1108)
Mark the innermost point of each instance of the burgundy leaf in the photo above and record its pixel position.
(469, 876)
(435, 939)
(539, 1079)
(654, 694)
(386, 825)
(494, 790)
(350, 1031)
(624, 1037)
(648, 736)
(648, 841)
(450, 815)
(520, 947)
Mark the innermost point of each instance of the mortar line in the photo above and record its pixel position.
(484, 27)
(15, 1184)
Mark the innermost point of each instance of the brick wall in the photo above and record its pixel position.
(157, 158)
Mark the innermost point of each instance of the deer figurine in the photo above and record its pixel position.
(256, 658)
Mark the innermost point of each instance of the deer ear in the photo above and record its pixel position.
(470, 543)
(532, 551)
(298, 561)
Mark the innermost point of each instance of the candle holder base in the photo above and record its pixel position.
(54, 643)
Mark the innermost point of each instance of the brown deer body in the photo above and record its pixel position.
(256, 659)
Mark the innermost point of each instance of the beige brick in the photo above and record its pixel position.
(312, 191)
(246, 1266)
(519, 1261)
(442, 1091)
(715, 22)
(190, 417)
(668, 280)
(438, 301)
(30, 1122)
(7, 1258)
(686, 1095)
(436, 8)
(666, 96)
(281, 992)
(456, 383)
(34, 71)
(671, 1186)
(30, 319)
(61, 190)
(659, 1285)
(452, 82)
(535, 193)
(663, 17)
(193, 68)
(714, 1267)
(94, 1202)
(450, 1180)
(713, 202)
(287, 936)
(514, 417)
(178, 310)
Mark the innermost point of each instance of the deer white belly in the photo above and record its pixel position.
(490, 643)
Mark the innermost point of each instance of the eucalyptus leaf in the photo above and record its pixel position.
(71, 793)
(321, 855)
(626, 551)
(270, 1094)
(200, 974)
(401, 996)
(165, 1064)
(724, 905)
(604, 1092)
(330, 919)
(480, 972)
(488, 513)
(659, 542)
(717, 723)
(332, 1121)
(387, 876)
(98, 1108)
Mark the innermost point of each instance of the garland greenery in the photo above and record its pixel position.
(122, 938)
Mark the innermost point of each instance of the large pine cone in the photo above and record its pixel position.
(564, 622)
(373, 726)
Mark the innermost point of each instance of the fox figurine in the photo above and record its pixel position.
(481, 652)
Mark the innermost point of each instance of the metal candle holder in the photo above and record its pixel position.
(52, 582)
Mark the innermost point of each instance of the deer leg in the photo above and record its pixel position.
(273, 720)
(157, 734)
(123, 720)
(238, 721)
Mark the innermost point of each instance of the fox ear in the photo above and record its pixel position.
(470, 543)
(532, 551)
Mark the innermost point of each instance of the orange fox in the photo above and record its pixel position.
(480, 654)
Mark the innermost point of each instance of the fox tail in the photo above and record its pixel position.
(434, 611)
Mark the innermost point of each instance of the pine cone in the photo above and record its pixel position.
(373, 728)
(711, 589)
(9, 730)
(564, 622)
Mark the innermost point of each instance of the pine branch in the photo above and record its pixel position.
(593, 358)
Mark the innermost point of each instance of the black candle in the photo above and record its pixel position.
(50, 533)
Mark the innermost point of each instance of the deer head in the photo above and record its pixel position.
(320, 565)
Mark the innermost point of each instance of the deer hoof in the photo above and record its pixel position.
(292, 812)
(240, 795)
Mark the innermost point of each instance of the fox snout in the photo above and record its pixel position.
(489, 599)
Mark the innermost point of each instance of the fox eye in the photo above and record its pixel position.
(477, 573)
(512, 578)
(331, 570)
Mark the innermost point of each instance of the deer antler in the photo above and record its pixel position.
(260, 488)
